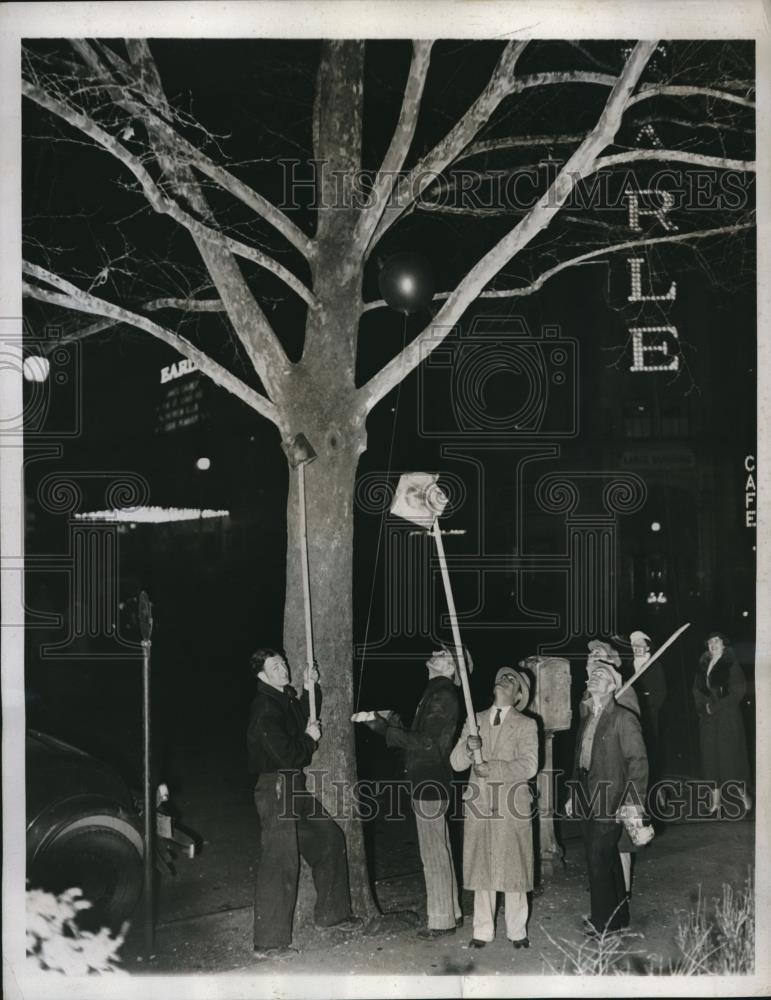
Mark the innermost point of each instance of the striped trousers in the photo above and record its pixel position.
(436, 857)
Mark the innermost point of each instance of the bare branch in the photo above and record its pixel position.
(245, 313)
(536, 220)
(518, 142)
(69, 296)
(160, 201)
(227, 181)
(649, 90)
(671, 155)
(408, 188)
(187, 305)
(598, 253)
(393, 161)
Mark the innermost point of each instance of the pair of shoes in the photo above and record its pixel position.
(280, 951)
(522, 943)
(429, 933)
(347, 923)
(476, 943)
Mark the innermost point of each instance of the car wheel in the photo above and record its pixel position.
(103, 859)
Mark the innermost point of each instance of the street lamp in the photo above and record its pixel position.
(36, 368)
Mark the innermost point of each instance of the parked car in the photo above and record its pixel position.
(83, 830)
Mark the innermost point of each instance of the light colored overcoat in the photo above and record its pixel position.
(498, 828)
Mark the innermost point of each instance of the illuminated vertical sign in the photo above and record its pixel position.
(655, 348)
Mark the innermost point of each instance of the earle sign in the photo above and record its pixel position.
(178, 370)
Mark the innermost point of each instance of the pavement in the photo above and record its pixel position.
(204, 918)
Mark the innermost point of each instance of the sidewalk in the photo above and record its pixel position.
(206, 927)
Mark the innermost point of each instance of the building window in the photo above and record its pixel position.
(637, 420)
(674, 418)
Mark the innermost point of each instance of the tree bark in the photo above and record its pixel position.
(332, 773)
(320, 402)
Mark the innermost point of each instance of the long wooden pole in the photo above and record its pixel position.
(650, 660)
(460, 659)
(306, 590)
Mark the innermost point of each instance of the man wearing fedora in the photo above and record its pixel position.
(497, 830)
(426, 745)
(610, 771)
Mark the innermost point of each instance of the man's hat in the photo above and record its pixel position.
(450, 647)
(606, 652)
(637, 636)
(524, 685)
(607, 658)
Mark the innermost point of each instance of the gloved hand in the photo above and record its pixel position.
(313, 729)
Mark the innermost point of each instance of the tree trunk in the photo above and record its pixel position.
(319, 401)
(329, 483)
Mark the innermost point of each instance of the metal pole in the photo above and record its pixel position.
(472, 719)
(306, 588)
(149, 894)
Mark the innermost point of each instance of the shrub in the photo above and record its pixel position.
(718, 943)
(55, 943)
(724, 944)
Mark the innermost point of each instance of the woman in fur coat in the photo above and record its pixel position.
(718, 689)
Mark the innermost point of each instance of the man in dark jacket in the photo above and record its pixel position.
(427, 745)
(651, 691)
(611, 771)
(280, 743)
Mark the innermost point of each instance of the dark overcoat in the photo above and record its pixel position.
(618, 772)
(722, 740)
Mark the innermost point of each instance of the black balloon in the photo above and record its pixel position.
(406, 282)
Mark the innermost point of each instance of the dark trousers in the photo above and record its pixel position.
(607, 889)
(610, 909)
(292, 825)
(650, 728)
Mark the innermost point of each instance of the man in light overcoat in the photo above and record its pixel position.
(498, 809)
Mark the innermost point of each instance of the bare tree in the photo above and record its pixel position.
(112, 98)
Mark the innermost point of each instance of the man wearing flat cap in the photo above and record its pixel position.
(497, 830)
(610, 772)
(426, 745)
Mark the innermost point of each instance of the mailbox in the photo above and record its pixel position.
(551, 700)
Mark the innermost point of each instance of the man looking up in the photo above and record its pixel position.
(280, 743)
(610, 771)
(497, 830)
(426, 745)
